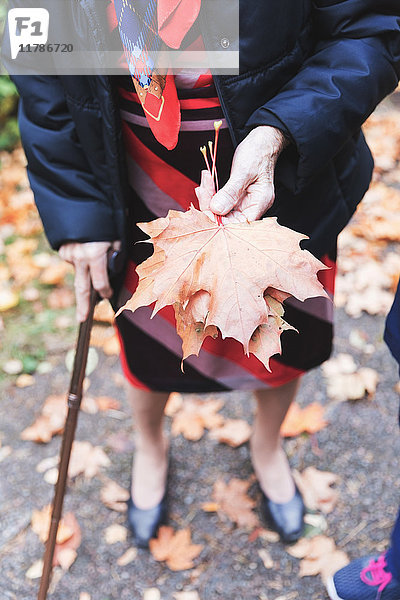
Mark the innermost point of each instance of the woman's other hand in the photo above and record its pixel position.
(90, 262)
(249, 191)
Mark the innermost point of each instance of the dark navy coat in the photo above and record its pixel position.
(315, 69)
(392, 328)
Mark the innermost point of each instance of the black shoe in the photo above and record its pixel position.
(144, 523)
(286, 518)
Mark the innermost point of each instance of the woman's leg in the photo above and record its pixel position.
(268, 457)
(150, 465)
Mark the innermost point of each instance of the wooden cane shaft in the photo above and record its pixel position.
(74, 402)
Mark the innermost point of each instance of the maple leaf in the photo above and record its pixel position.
(68, 535)
(232, 500)
(175, 548)
(49, 423)
(345, 382)
(216, 276)
(195, 416)
(319, 556)
(86, 459)
(233, 432)
(316, 489)
(303, 420)
(114, 496)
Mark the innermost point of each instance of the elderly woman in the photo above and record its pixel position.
(290, 146)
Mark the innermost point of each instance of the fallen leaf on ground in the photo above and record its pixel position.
(195, 416)
(50, 422)
(104, 312)
(232, 500)
(47, 463)
(127, 557)
(266, 558)
(55, 273)
(316, 489)
(115, 533)
(202, 269)
(175, 548)
(35, 571)
(152, 594)
(89, 405)
(24, 380)
(107, 403)
(100, 335)
(65, 553)
(319, 556)
(92, 360)
(233, 432)
(114, 496)
(40, 523)
(68, 535)
(86, 459)
(346, 382)
(174, 403)
(8, 299)
(61, 298)
(51, 476)
(303, 420)
(111, 347)
(260, 532)
(13, 366)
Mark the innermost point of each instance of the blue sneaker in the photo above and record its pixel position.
(364, 579)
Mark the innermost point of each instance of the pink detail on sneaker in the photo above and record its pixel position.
(374, 574)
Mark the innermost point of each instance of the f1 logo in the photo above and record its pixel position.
(27, 26)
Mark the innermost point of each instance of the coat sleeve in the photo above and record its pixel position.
(70, 201)
(355, 64)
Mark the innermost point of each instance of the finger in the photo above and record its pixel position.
(82, 291)
(99, 276)
(205, 191)
(203, 197)
(65, 253)
(227, 198)
(259, 199)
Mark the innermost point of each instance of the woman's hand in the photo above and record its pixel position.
(90, 262)
(249, 191)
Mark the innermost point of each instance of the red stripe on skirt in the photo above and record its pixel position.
(168, 179)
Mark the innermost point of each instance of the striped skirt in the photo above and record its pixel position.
(160, 180)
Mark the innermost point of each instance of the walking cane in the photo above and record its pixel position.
(74, 403)
(115, 264)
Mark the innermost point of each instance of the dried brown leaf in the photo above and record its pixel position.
(86, 459)
(303, 420)
(233, 432)
(114, 496)
(196, 260)
(195, 416)
(316, 488)
(175, 548)
(233, 501)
